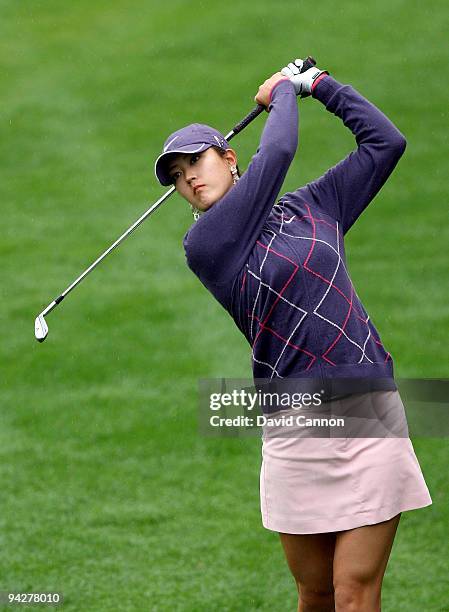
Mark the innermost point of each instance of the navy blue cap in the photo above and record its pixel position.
(193, 138)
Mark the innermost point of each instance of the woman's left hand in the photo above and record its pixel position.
(263, 96)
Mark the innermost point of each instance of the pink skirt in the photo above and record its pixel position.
(327, 484)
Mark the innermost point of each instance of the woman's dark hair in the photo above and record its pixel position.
(221, 152)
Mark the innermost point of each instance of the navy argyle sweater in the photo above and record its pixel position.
(278, 266)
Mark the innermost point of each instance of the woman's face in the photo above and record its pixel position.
(202, 178)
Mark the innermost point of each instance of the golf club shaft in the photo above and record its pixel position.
(308, 63)
(237, 128)
(139, 221)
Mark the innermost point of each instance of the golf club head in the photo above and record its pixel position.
(40, 328)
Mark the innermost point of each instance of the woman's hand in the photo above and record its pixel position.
(304, 82)
(263, 96)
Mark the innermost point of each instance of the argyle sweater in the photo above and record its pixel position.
(278, 266)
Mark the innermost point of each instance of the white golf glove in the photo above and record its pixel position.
(302, 81)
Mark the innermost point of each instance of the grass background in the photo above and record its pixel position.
(107, 492)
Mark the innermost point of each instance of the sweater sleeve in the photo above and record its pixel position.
(345, 190)
(219, 243)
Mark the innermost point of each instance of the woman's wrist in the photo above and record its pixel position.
(275, 86)
(322, 76)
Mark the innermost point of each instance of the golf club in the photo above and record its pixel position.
(40, 325)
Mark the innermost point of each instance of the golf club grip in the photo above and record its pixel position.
(247, 120)
(309, 62)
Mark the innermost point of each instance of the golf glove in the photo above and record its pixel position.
(302, 81)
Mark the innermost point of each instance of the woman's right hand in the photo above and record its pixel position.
(263, 96)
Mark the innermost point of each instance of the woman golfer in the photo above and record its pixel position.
(278, 267)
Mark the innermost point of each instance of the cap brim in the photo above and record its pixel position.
(160, 165)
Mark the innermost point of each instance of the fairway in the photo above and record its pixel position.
(108, 492)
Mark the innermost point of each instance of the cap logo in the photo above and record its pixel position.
(219, 140)
(171, 142)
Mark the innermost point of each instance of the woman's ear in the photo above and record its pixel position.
(231, 157)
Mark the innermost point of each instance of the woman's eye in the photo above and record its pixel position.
(175, 176)
(194, 158)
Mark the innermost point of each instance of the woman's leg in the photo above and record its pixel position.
(360, 560)
(310, 559)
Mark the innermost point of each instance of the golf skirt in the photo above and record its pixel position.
(311, 484)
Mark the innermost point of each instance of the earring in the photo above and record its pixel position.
(235, 174)
(195, 213)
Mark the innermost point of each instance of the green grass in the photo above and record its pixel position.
(107, 491)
